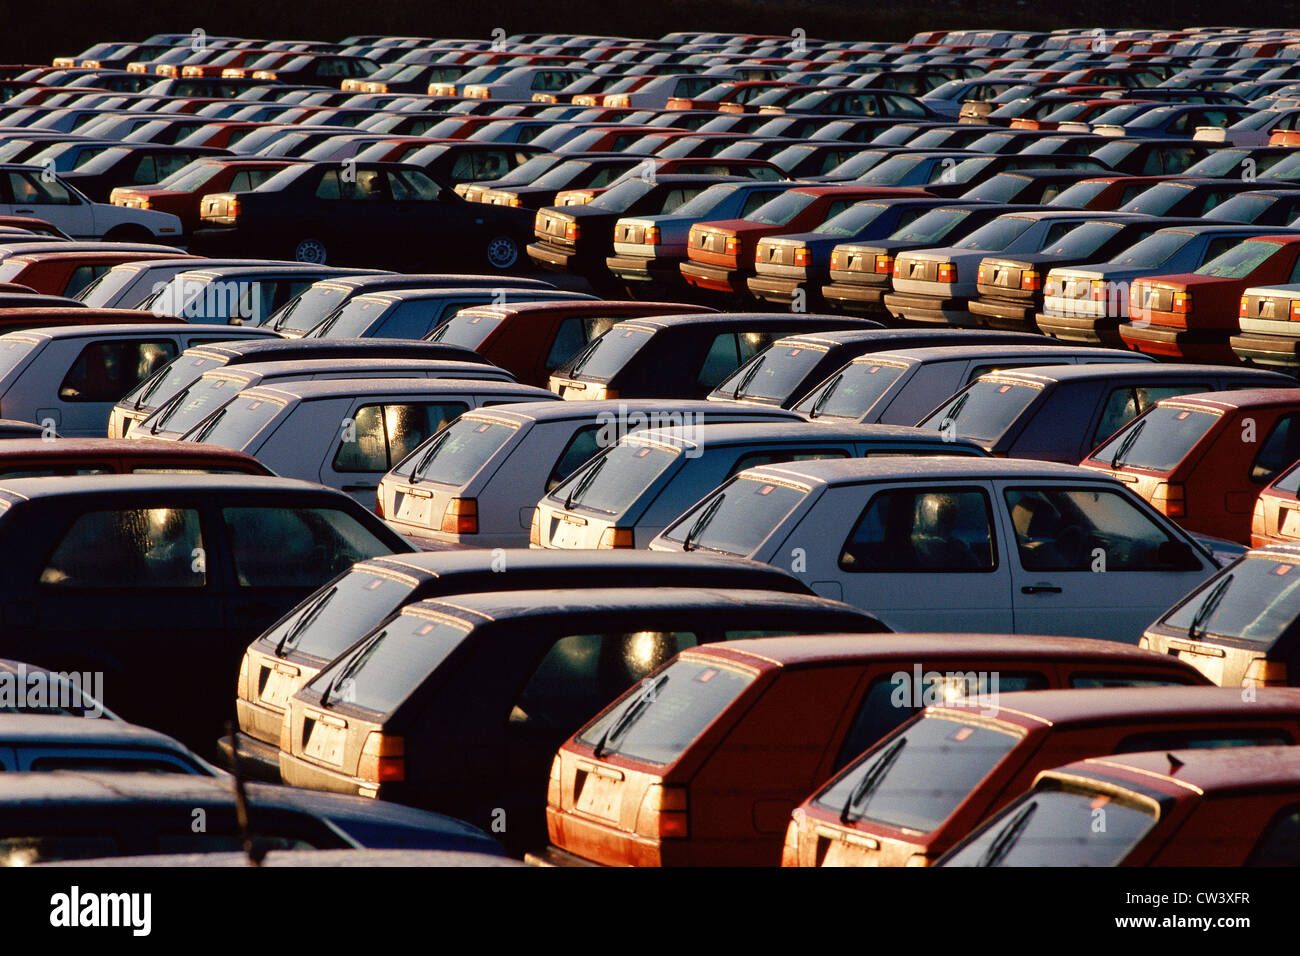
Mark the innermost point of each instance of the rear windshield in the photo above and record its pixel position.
(327, 624)
(202, 399)
(235, 425)
(1158, 440)
(307, 309)
(12, 353)
(774, 375)
(387, 667)
(613, 482)
(1256, 600)
(1152, 251)
(152, 392)
(353, 318)
(1056, 825)
(984, 411)
(779, 211)
(1085, 240)
(1239, 261)
(851, 391)
(655, 723)
(608, 354)
(467, 329)
(933, 226)
(737, 518)
(996, 235)
(455, 454)
(1157, 200)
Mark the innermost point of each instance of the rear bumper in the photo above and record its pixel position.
(258, 760)
(929, 309)
(1194, 345)
(1100, 330)
(555, 258)
(297, 772)
(645, 269)
(775, 288)
(855, 298)
(1276, 351)
(1004, 314)
(714, 278)
(554, 856)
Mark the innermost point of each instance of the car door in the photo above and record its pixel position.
(25, 193)
(98, 375)
(1091, 561)
(921, 558)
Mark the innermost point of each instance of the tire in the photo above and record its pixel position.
(129, 234)
(310, 250)
(502, 252)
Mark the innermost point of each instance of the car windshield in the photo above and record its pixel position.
(612, 482)
(235, 425)
(305, 310)
(606, 355)
(705, 202)
(852, 220)
(852, 391)
(1158, 440)
(782, 209)
(386, 667)
(919, 776)
(1083, 240)
(933, 226)
(1055, 825)
(12, 353)
(773, 375)
(1254, 600)
(1155, 250)
(982, 412)
(1240, 261)
(455, 454)
(467, 328)
(328, 622)
(737, 518)
(191, 177)
(688, 696)
(996, 235)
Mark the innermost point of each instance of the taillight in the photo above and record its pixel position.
(383, 758)
(979, 275)
(1029, 281)
(652, 235)
(1243, 309)
(379, 502)
(1052, 288)
(553, 785)
(790, 851)
(1098, 288)
(1144, 643)
(461, 516)
(616, 538)
(617, 100)
(1182, 302)
(835, 260)
(759, 250)
(241, 689)
(1171, 499)
(1257, 520)
(732, 246)
(232, 208)
(885, 265)
(801, 257)
(535, 529)
(947, 272)
(663, 814)
(1295, 310)
(1262, 673)
(571, 231)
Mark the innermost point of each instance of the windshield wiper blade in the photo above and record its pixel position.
(871, 779)
(584, 356)
(430, 453)
(748, 376)
(1201, 620)
(309, 614)
(825, 396)
(165, 412)
(583, 483)
(1001, 846)
(151, 387)
(1126, 446)
(630, 715)
(354, 662)
(702, 522)
(953, 412)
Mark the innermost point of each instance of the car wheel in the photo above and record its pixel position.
(502, 252)
(310, 250)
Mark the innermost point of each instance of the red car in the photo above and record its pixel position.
(1277, 511)
(720, 255)
(1204, 459)
(1104, 193)
(736, 734)
(182, 192)
(67, 273)
(1193, 316)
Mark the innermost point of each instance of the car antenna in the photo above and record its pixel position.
(1174, 763)
(255, 849)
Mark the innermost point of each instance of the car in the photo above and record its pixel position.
(1024, 186)
(899, 386)
(967, 179)
(1153, 157)
(1267, 337)
(346, 433)
(466, 161)
(360, 214)
(1203, 460)
(1207, 807)
(114, 572)
(297, 647)
(1187, 196)
(244, 294)
(1193, 316)
(212, 389)
(956, 543)
(577, 171)
(1255, 129)
(132, 164)
(96, 816)
(727, 706)
(1275, 520)
(1259, 207)
(1085, 303)
(127, 284)
(67, 273)
(533, 339)
(1239, 627)
(679, 356)
(506, 677)
(417, 313)
(884, 103)
(31, 457)
(29, 689)
(69, 377)
(262, 345)
(1173, 121)
(497, 463)
(306, 310)
(30, 191)
(977, 756)
(1063, 413)
(45, 743)
(181, 193)
(629, 492)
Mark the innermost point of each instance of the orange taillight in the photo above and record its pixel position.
(885, 265)
(461, 516)
(1170, 498)
(1262, 673)
(732, 246)
(1243, 308)
(383, 758)
(652, 235)
(571, 231)
(1030, 280)
(1182, 302)
(616, 538)
(663, 813)
(947, 272)
(801, 256)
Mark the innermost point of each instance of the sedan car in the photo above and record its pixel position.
(181, 193)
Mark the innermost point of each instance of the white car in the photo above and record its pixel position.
(348, 433)
(957, 544)
(70, 377)
(128, 284)
(522, 82)
(33, 191)
(506, 458)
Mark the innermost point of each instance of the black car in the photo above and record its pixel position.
(580, 171)
(1038, 186)
(468, 162)
(361, 213)
(130, 165)
(960, 179)
(1133, 156)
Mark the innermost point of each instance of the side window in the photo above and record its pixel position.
(1280, 450)
(144, 547)
(1213, 199)
(464, 169)
(759, 458)
(410, 320)
(241, 182)
(29, 189)
(82, 276)
(1152, 166)
(582, 447)
(569, 338)
(722, 359)
(1295, 272)
(105, 371)
(409, 186)
(1280, 844)
(1125, 404)
(365, 185)
(1084, 529)
(1056, 231)
(168, 163)
(312, 545)
(753, 201)
(939, 530)
(328, 188)
(491, 164)
(258, 176)
(582, 673)
(146, 171)
(382, 435)
(1218, 247)
(1129, 192)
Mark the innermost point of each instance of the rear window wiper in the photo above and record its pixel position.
(583, 357)
(308, 615)
(354, 663)
(1001, 846)
(1126, 445)
(955, 410)
(748, 377)
(702, 522)
(583, 483)
(825, 396)
(871, 779)
(151, 387)
(630, 715)
(162, 414)
(430, 453)
(1201, 619)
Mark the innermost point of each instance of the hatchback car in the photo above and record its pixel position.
(36, 457)
(958, 544)
(490, 685)
(416, 313)
(1204, 459)
(913, 795)
(1269, 335)
(748, 728)
(1277, 511)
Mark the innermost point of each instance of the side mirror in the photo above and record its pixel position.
(1178, 556)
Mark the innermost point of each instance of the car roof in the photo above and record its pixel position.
(836, 337)
(106, 331)
(575, 307)
(832, 471)
(19, 448)
(313, 389)
(1074, 706)
(64, 728)
(1104, 370)
(713, 434)
(1011, 349)
(927, 647)
(344, 363)
(732, 318)
(438, 563)
(1207, 770)
(276, 344)
(32, 489)
(624, 410)
(1238, 398)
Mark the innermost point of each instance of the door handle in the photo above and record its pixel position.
(1040, 589)
(24, 212)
